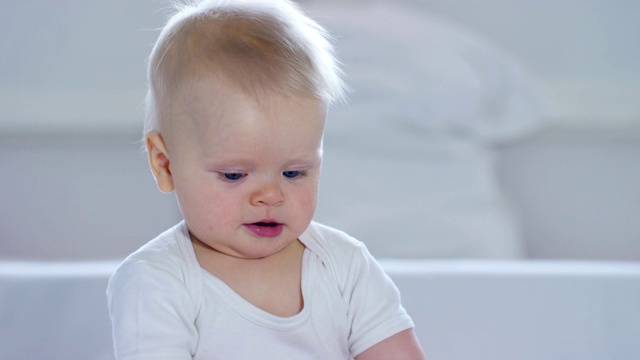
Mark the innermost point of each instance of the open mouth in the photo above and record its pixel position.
(265, 228)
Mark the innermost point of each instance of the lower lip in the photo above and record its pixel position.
(265, 231)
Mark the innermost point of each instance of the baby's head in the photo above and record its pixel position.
(237, 101)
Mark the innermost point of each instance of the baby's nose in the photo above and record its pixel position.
(268, 193)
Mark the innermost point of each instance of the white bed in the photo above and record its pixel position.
(481, 310)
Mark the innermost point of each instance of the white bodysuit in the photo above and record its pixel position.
(163, 305)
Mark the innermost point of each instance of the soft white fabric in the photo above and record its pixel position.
(410, 71)
(525, 310)
(480, 310)
(163, 305)
(54, 310)
(409, 167)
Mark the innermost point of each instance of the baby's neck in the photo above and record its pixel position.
(271, 284)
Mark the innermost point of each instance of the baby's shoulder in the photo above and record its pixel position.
(333, 246)
(163, 272)
(167, 253)
(329, 238)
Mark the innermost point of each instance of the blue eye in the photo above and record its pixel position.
(292, 174)
(233, 176)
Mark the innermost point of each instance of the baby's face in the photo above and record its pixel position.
(246, 174)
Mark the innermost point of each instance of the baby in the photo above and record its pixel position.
(236, 108)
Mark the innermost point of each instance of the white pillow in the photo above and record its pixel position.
(408, 164)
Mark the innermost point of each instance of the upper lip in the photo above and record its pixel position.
(266, 222)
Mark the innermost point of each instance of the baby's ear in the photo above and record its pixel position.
(159, 161)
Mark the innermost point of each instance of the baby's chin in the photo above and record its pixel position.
(259, 247)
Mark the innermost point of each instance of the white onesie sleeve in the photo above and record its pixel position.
(375, 312)
(152, 312)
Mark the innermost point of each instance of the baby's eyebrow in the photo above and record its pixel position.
(311, 160)
(231, 164)
(237, 158)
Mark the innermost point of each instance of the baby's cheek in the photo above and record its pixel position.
(208, 207)
(307, 201)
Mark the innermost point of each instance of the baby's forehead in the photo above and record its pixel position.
(211, 100)
(234, 121)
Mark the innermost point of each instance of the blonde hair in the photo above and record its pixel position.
(260, 45)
